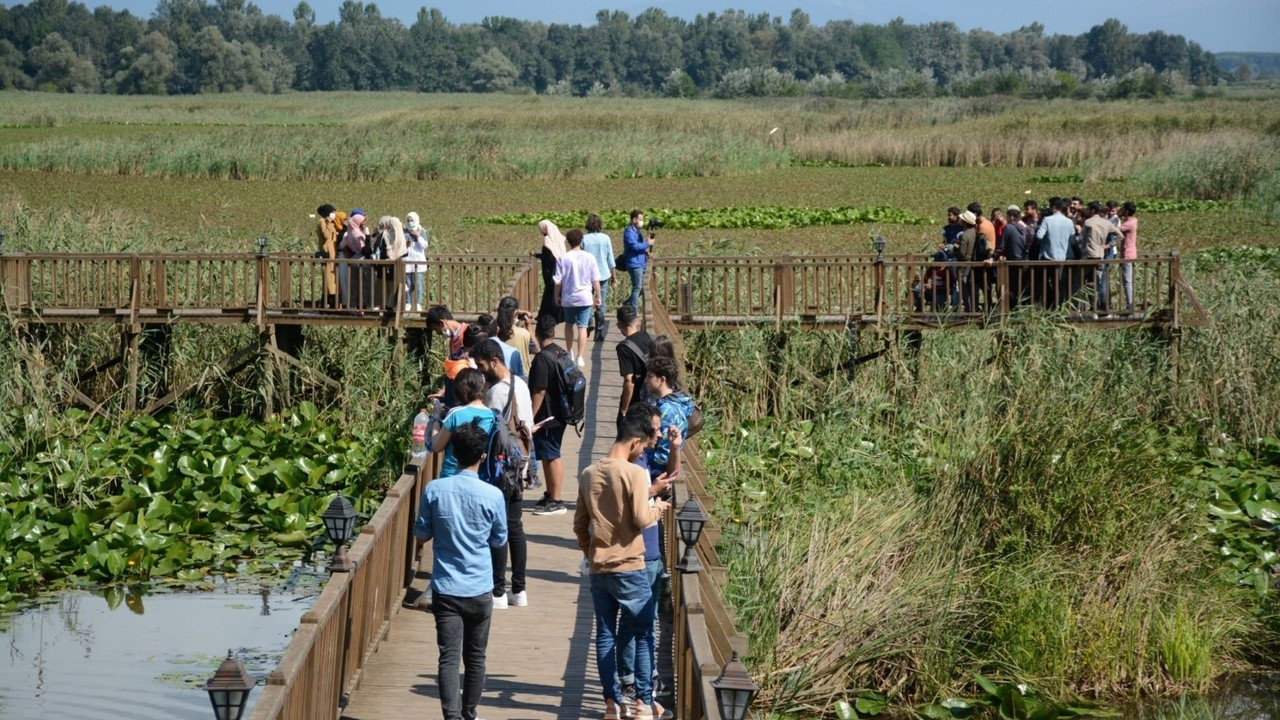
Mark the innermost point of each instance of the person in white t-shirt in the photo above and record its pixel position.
(488, 357)
(577, 279)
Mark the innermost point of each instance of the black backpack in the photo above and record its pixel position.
(570, 407)
(981, 250)
(505, 463)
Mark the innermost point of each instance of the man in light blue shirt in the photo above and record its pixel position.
(600, 246)
(1054, 235)
(464, 517)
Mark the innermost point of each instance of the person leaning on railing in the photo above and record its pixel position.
(327, 248)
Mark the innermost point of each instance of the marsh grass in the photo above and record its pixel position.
(1012, 503)
(403, 136)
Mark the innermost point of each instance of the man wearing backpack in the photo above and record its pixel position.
(547, 393)
(633, 353)
(508, 397)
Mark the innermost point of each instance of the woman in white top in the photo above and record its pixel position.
(415, 272)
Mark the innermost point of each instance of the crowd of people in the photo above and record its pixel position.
(347, 236)
(506, 370)
(1065, 229)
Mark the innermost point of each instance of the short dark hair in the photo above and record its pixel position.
(1095, 207)
(975, 208)
(1130, 208)
(1031, 204)
(437, 314)
(636, 213)
(546, 328)
(594, 223)
(1077, 198)
(488, 350)
(665, 368)
(469, 443)
(474, 335)
(643, 409)
(626, 316)
(635, 427)
(953, 210)
(468, 386)
(574, 238)
(324, 210)
(1112, 204)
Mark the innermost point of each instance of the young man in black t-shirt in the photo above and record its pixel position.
(544, 390)
(631, 365)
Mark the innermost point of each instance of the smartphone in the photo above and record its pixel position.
(538, 425)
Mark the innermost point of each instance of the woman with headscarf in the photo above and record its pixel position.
(553, 246)
(391, 246)
(327, 248)
(415, 272)
(352, 247)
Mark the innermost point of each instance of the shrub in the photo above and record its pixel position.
(1220, 172)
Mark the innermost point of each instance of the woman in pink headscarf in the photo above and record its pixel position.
(351, 248)
(553, 246)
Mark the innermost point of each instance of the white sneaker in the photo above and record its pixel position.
(500, 602)
(520, 599)
(582, 362)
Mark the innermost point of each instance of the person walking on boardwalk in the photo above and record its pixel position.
(577, 294)
(464, 517)
(614, 507)
(553, 246)
(506, 387)
(635, 255)
(600, 247)
(633, 353)
(327, 249)
(547, 393)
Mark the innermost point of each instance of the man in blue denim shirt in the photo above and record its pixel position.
(635, 255)
(465, 517)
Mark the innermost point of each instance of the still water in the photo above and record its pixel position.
(121, 653)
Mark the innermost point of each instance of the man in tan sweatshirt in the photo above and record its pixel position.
(613, 508)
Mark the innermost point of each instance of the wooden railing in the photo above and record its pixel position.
(350, 617)
(286, 288)
(703, 627)
(919, 291)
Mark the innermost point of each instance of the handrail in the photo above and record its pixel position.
(336, 637)
(704, 632)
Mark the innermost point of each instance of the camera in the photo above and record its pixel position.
(654, 224)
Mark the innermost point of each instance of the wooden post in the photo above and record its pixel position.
(267, 343)
(130, 339)
(159, 283)
(686, 302)
(880, 288)
(784, 287)
(1002, 283)
(1175, 328)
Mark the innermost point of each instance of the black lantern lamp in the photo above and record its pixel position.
(879, 245)
(229, 689)
(1, 242)
(690, 521)
(262, 246)
(734, 690)
(339, 521)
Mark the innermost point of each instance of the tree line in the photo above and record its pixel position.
(194, 46)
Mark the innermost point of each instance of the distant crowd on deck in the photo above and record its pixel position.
(1066, 229)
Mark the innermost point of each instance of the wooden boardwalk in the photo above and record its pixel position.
(541, 659)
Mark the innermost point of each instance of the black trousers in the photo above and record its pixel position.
(462, 632)
(518, 549)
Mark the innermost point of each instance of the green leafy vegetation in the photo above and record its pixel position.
(773, 218)
(1243, 493)
(96, 502)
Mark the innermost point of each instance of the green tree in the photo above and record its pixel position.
(432, 57)
(148, 68)
(492, 72)
(1108, 49)
(11, 75)
(58, 67)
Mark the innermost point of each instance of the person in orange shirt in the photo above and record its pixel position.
(986, 279)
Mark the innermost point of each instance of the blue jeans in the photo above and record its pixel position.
(637, 287)
(413, 284)
(627, 655)
(623, 610)
(462, 632)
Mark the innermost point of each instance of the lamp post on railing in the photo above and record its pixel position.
(339, 521)
(1, 242)
(734, 690)
(262, 246)
(229, 689)
(690, 520)
(879, 244)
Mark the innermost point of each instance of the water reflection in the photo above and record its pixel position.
(77, 654)
(1246, 697)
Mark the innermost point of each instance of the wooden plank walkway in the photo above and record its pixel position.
(541, 658)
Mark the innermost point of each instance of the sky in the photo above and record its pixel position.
(1218, 25)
